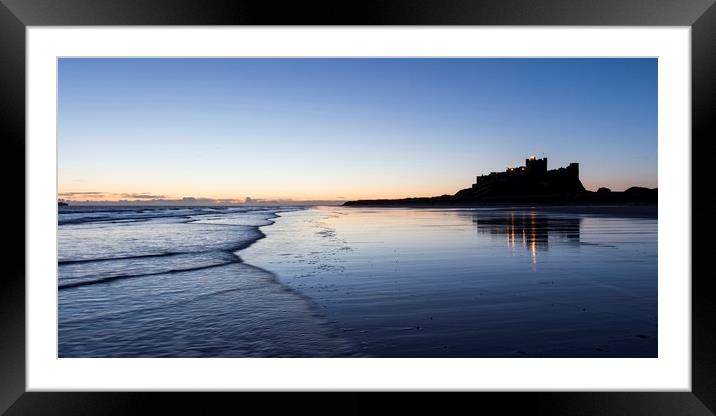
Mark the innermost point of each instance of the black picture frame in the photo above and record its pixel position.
(16, 15)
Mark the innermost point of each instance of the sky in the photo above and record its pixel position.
(351, 128)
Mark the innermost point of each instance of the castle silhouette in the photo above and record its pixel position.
(531, 179)
(532, 183)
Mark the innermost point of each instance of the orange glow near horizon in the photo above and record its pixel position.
(304, 193)
(292, 188)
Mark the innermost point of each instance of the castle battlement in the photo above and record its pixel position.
(532, 178)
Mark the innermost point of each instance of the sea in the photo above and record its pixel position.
(355, 282)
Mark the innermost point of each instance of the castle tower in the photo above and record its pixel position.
(573, 171)
(536, 166)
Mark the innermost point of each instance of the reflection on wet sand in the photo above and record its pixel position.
(442, 283)
(528, 229)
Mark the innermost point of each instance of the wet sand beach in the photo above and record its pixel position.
(358, 282)
(474, 282)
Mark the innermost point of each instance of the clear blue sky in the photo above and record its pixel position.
(348, 128)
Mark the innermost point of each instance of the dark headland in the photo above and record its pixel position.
(532, 184)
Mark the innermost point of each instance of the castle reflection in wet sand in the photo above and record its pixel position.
(530, 231)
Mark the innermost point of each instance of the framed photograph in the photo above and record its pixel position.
(477, 197)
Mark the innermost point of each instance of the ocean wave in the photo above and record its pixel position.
(192, 297)
(101, 214)
(99, 253)
(101, 259)
(106, 279)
